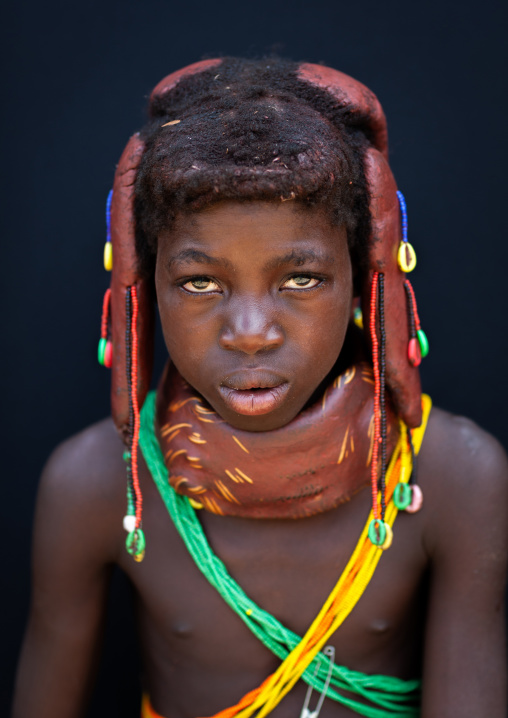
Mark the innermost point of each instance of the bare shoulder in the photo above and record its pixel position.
(463, 471)
(87, 460)
(81, 493)
(77, 537)
(465, 457)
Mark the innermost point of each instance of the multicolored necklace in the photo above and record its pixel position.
(301, 657)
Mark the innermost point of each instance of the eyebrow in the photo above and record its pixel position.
(187, 256)
(298, 257)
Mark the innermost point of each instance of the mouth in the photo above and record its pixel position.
(253, 396)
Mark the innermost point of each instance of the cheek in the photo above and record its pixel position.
(186, 327)
(327, 331)
(317, 337)
(324, 330)
(169, 314)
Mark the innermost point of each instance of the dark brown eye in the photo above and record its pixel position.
(302, 281)
(201, 285)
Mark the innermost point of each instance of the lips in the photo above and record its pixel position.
(253, 393)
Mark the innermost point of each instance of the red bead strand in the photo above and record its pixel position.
(105, 314)
(135, 406)
(377, 392)
(413, 302)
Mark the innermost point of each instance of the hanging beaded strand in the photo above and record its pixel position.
(108, 247)
(105, 348)
(135, 406)
(129, 521)
(135, 542)
(408, 496)
(414, 353)
(375, 366)
(382, 389)
(416, 332)
(418, 346)
(406, 256)
(380, 532)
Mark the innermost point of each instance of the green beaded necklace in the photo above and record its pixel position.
(387, 696)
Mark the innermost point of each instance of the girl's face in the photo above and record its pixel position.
(255, 299)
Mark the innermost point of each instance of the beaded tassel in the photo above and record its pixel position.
(135, 542)
(375, 366)
(108, 247)
(418, 346)
(406, 256)
(380, 533)
(382, 390)
(105, 348)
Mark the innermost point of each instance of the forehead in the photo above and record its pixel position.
(246, 228)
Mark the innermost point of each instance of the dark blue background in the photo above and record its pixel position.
(75, 81)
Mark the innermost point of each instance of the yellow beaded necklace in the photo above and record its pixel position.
(344, 596)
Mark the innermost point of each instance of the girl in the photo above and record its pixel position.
(265, 475)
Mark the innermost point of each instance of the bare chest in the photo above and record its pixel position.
(191, 636)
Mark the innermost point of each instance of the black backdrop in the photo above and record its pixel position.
(76, 77)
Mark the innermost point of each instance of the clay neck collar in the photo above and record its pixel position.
(314, 463)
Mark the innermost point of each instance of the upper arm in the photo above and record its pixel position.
(467, 539)
(74, 546)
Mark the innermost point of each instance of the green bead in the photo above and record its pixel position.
(130, 501)
(135, 544)
(402, 496)
(101, 350)
(423, 342)
(126, 456)
(377, 532)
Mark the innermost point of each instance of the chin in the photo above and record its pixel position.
(267, 422)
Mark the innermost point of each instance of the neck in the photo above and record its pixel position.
(313, 464)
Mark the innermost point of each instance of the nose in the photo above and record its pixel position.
(250, 328)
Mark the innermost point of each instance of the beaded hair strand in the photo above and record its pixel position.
(375, 366)
(382, 390)
(105, 349)
(380, 533)
(135, 541)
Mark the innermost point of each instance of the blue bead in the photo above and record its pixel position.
(403, 212)
(108, 215)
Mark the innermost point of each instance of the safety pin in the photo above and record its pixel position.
(329, 651)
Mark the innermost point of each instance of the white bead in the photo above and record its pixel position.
(129, 523)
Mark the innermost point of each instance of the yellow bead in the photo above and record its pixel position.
(249, 612)
(389, 537)
(406, 257)
(108, 256)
